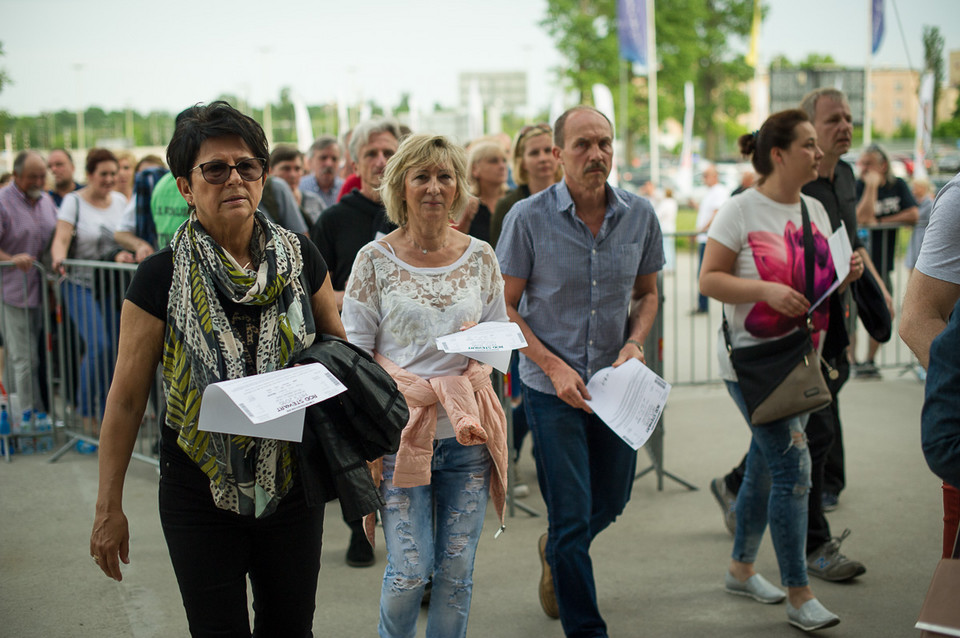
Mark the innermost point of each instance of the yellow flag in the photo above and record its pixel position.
(753, 53)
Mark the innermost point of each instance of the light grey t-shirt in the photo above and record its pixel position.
(940, 252)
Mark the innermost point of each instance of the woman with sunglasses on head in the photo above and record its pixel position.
(754, 263)
(233, 295)
(534, 169)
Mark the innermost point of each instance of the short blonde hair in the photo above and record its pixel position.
(418, 151)
(479, 152)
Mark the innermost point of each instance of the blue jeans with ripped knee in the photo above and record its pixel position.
(432, 532)
(775, 489)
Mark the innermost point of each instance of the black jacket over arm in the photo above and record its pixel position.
(344, 432)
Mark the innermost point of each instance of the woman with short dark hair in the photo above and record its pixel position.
(233, 295)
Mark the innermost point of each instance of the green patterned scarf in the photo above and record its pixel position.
(248, 475)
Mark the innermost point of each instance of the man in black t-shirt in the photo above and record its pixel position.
(346, 227)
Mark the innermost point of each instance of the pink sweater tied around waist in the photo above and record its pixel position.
(475, 412)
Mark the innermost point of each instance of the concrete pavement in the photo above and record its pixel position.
(659, 569)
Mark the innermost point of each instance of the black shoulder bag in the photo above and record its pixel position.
(782, 379)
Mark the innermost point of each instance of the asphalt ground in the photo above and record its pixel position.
(659, 568)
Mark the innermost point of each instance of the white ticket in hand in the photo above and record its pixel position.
(629, 399)
(270, 405)
(488, 342)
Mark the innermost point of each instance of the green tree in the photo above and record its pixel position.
(4, 80)
(933, 63)
(692, 45)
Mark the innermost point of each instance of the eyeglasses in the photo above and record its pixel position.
(218, 171)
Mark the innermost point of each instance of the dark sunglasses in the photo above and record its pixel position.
(218, 172)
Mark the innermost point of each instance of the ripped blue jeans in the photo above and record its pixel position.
(775, 488)
(432, 531)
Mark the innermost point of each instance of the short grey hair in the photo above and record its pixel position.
(809, 102)
(365, 130)
(322, 143)
(21, 160)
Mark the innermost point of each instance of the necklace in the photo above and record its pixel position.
(421, 248)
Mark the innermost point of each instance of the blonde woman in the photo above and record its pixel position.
(421, 281)
(487, 176)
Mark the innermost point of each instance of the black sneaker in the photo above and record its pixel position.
(360, 553)
(829, 564)
(829, 501)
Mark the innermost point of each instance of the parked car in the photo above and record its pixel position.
(949, 163)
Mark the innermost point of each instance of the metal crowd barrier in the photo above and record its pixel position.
(88, 300)
(40, 362)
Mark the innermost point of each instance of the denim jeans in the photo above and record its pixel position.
(432, 532)
(97, 329)
(585, 472)
(214, 551)
(775, 488)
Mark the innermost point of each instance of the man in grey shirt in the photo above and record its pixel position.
(579, 262)
(932, 292)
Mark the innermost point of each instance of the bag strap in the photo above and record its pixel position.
(807, 249)
(808, 253)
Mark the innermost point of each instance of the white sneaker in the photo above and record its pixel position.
(811, 615)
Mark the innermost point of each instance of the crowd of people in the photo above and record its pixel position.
(388, 239)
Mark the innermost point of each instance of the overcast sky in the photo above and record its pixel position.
(170, 54)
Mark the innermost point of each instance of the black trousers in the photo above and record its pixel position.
(823, 429)
(214, 551)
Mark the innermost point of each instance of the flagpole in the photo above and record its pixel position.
(652, 94)
(622, 134)
(867, 90)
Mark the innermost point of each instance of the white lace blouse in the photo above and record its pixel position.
(398, 310)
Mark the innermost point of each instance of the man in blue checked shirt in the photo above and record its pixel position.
(580, 263)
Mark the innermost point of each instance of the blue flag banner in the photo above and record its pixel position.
(632, 30)
(877, 25)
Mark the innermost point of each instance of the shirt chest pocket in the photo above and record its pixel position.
(627, 262)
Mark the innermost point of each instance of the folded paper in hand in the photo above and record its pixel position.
(270, 405)
(488, 342)
(629, 399)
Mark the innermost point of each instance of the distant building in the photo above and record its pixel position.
(954, 68)
(894, 99)
(788, 86)
(505, 89)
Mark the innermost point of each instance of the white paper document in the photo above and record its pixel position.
(489, 342)
(840, 252)
(629, 399)
(270, 405)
